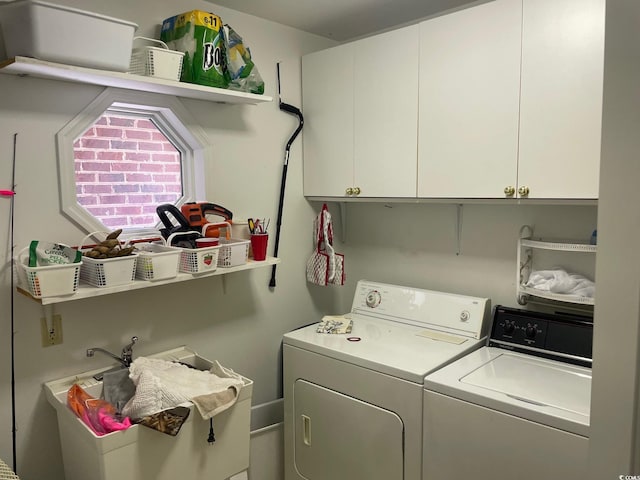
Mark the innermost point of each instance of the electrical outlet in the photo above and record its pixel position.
(51, 334)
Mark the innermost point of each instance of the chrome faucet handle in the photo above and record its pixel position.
(127, 351)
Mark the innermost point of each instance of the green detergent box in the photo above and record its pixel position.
(199, 35)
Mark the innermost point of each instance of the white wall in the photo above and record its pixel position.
(615, 427)
(417, 244)
(242, 328)
(405, 244)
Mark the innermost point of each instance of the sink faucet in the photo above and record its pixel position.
(125, 357)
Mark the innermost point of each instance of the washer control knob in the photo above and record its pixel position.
(530, 331)
(509, 327)
(465, 316)
(373, 299)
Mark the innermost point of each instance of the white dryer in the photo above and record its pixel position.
(517, 408)
(353, 402)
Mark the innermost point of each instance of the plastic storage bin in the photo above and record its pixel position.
(109, 272)
(158, 62)
(56, 33)
(156, 262)
(47, 281)
(199, 260)
(145, 454)
(195, 260)
(233, 252)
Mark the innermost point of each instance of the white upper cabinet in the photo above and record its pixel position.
(561, 98)
(361, 114)
(327, 101)
(469, 94)
(386, 114)
(499, 100)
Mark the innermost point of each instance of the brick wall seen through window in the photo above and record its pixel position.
(124, 168)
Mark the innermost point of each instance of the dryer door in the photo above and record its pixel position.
(338, 437)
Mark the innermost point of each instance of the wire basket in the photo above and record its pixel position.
(158, 62)
(49, 280)
(196, 260)
(233, 252)
(156, 262)
(107, 272)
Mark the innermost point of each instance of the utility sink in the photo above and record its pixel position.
(146, 454)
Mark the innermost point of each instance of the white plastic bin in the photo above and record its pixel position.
(156, 262)
(144, 454)
(56, 33)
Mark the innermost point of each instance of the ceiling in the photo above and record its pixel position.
(341, 20)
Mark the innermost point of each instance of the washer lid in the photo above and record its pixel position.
(545, 391)
(397, 349)
(535, 382)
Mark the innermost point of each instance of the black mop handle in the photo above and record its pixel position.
(294, 111)
(272, 282)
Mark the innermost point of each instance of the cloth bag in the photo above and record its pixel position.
(325, 266)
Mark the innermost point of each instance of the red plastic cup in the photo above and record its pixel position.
(259, 245)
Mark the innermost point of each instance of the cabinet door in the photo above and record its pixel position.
(386, 114)
(469, 93)
(561, 106)
(327, 96)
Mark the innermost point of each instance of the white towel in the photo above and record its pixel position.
(558, 280)
(161, 384)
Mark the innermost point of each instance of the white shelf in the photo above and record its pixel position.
(30, 66)
(526, 247)
(87, 291)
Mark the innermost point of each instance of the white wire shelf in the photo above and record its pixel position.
(558, 297)
(559, 246)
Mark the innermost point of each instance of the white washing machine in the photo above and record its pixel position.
(517, 408)
(353, 402)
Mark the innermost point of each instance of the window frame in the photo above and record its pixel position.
(170, 117)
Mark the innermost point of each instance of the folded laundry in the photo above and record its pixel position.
(162, 384)
(558, 280)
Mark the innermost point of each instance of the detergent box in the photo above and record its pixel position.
(199, 35)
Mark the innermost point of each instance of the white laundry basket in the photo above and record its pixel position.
(142, 453)
(158, 62)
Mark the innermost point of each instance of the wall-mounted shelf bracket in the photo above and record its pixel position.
(343, 221)
(459, 212)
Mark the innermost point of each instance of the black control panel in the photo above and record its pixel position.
(558, 336)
